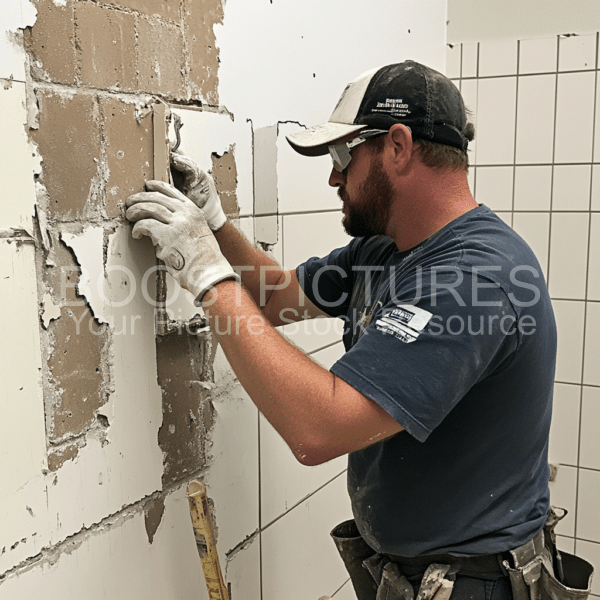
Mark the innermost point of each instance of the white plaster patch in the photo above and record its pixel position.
(310, 50)
(51, 310)
(17, 165)
(16, 14)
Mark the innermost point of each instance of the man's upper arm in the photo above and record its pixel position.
(288, 303)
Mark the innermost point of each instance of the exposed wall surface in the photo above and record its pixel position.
(536, 162)
(102, 424)
(482, 20)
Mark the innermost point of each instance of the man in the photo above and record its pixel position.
(443, 398)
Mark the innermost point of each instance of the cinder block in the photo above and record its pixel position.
(165, 8)
(129, 152)
(160, 51)
(106, 43)
(224, 173)
(186, 419)
(76, 362)
(200, 16)
(51, 42)
(68, 140)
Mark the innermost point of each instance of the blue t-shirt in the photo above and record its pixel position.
(456, 340)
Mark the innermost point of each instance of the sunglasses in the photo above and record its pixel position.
(341, 153)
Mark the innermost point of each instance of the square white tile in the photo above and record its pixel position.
(564, 432)
(284, 481)
(593, 289)
(568, 255)
(242, 572)
(497, 58)
(591, 552)
(563, 493)
(302, 182)
(588, 510)
(574, 117)
(589, 452)
(453, 60)
(591, 358)
(537, 55)
(534, 228)
(577, 52)
(496, 109)
(469, 93)
(299, 559)
(595, 205)
(533, 187)
(311, 335)
(571, 187)
(494, 187)
(565, 544)
(264, 152)
(470, 54)
(569, 322)
(535, 119)
(311, 234)
(266, 229)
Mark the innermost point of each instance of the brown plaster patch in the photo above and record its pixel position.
(57, 458)
(153, 515)
(181, 367)
(106, 42)
(200, 17)
(129, 152)
(224, 173)
(165, 8)
(51, 42)
(69, 142)
(160, 51)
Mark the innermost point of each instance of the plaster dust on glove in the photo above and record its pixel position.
(182, 236)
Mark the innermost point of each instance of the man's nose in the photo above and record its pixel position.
(336, 179)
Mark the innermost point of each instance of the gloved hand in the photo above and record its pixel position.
(183, 239)
(199, 188)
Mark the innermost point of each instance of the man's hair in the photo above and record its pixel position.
(439, 156)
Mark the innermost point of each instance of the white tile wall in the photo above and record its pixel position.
(574, 117)
(577, 53)
(590, 418)
(469, 92)
(535, 119)
(497, 57)
(593, 291)
(570, 323)
(537, 56)
(568, 255)
(346, 592)
(470, 53)
(596, 178)
(571, 187)
(564, 433)
(494, 187)
(591, 372)
(597, 127)
(588, 513)
(496, 109)
(563, 493)
(533, 187)
(453, 60)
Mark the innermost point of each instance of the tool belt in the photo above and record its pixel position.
(536, 570)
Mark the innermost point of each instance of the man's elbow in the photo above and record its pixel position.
(312, 454)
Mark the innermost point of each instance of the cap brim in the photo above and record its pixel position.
(315, 140)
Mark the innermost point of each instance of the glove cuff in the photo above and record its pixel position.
(210, 277)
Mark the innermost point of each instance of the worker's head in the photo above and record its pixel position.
(407, 106)
(422, 99)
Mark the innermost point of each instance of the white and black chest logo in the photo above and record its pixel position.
(405, 322)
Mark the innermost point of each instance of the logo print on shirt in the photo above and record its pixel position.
(404, 322)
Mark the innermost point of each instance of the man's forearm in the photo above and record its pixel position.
(259, 272)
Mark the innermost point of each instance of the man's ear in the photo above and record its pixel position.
(401, 139)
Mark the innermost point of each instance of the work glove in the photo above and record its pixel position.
(199, 188)
(183, 239)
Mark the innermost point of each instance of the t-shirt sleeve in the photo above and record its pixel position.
(328, 281)
(427, 347)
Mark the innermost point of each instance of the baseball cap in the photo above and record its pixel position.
(409, 93)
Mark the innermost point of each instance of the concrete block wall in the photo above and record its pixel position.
(536, 162)
(101, 423)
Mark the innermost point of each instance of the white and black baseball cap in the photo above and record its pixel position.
(409, 93)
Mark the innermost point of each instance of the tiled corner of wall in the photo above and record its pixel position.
(537, 120)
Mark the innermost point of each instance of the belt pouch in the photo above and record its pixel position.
(576, 583)
(354, 551)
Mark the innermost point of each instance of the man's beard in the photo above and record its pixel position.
(368, 213)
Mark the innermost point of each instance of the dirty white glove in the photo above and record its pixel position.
(199, 188)
(183, 239)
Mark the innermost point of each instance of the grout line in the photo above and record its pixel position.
(506, 76)
(293, 213)
(324, 347)
(341, 586)
(592, 385)
(301, 501)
